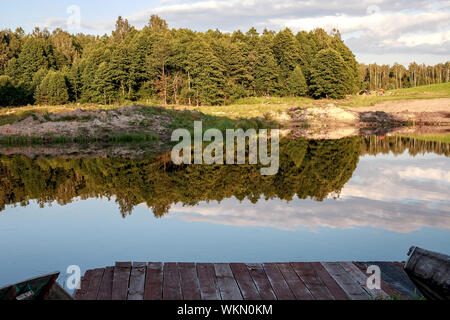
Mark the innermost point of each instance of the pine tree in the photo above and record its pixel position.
(104, 83)
(266, 70)
(286, 51)
(329, 75)
(53, 89)
(207, 73)
(32, 58)
(296, 83)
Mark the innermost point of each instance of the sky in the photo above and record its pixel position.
(381, 31)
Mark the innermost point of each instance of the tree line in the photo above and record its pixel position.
(176, 66)
(375, 76)
(181, 66)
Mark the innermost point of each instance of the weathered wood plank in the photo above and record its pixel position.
(332, 286)
(229, 289)
(261, 281)
(154, 281)
(279, 284)
(189, 281)
(397, 278)
(361, 278)
(121, 279)
(171, 283)
(94, 284)
(207, 281)
(294, 282)
(126, 264)
(137, 281)
(90, 284)
(245, 282)
(84, 286)
(351, 287)
(312, 281)
(384, 285)
(105, 291)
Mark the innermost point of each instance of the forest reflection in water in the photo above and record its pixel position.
(314, 169)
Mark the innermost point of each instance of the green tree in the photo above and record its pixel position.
(329, 75)
(53, 89)
(207, 73)
(32, 58)
(266, 70)
(104, 83)
(286, 51)
(296, 83)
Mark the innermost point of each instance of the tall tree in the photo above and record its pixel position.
(329, 75)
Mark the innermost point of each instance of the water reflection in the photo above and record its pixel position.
(316, 170)
(389, 200)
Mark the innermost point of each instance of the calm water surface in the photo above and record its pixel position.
(350, 199)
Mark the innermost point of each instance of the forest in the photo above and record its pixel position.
(374, 76)
(180, 66)
(172, 66)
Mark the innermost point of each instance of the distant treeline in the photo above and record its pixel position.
(398, 76)
(177, 66)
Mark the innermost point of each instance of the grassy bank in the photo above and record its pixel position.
(263, 108)
(434, 91)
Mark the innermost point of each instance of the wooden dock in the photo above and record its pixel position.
(243, 281)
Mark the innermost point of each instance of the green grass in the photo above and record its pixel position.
(433, 91)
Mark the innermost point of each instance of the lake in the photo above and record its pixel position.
(352, 199)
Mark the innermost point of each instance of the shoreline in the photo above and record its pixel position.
(145, 123)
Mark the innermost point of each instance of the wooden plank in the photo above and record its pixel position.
(229, 289)
(105, 291)
(294, 282)
(171, 285)
(312, 281)
(261, 281)
(279, 284)
(123, 264)
(352, 288)
(121, 279)
(245, 282)
(207, 281)
(397, 278)
(84, 285)
(154, 281)
(95, 280)
(329, 282)
(361, 278)
(189, 281)
(137, 281)
(384, 285)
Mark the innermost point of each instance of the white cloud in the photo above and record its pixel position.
(403, 196)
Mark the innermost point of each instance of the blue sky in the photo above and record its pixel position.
(382, 31)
